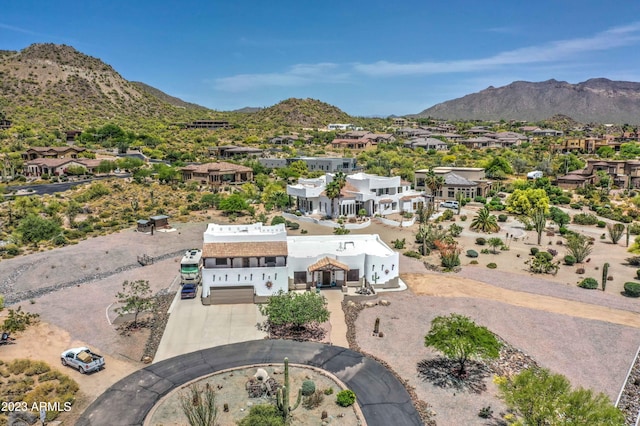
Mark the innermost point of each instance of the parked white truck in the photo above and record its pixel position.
(82, 359)
(191, 267)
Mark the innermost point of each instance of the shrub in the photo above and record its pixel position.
(463, 217)
(447, 214)
(481, 241)
(544, 255)
(638, 273)
(589, 283)
(473, 262)
(485, 251)
(502, 218)
(328, 391)
(263, 414)
(585, 219)
(632, 289)
(314, 400)
(485, 412)
(278, 220)
(601, 224)
(492, 265)
(633, 261)
(534, 251)
(480, 199)
(569, 260)
(552, 252)
(580, 271)
(345, 398)
(308, 387)
(413, 254)
(473, 253)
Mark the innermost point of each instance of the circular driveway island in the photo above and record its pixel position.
(382, 398)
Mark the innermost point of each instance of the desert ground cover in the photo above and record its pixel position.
(591, 340)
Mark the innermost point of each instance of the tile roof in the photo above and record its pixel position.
(245, 249)
(454, 179)
(220, 166)
(327, 263)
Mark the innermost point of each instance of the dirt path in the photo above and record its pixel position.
(453, 286)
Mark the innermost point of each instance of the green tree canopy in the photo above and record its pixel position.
(542, 398)
(234, 203)
(523, 201)
(295, 309)
(34, 228)
(135, 298)
(485, 221)
(460, 339)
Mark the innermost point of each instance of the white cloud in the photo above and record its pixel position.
(296, 76)
(550, 52)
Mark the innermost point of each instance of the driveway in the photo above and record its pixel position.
(382, 398)
(193, 326)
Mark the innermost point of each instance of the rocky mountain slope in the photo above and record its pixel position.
(597, 100)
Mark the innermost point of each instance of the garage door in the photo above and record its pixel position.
(231, 295)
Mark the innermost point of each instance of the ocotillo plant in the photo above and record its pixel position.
(282, 395)
(376, 327)
(605, 275)
(628, 235)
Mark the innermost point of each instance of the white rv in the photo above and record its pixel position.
(536, 174)
(191, 267)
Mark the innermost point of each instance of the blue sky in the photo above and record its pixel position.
(365, 57)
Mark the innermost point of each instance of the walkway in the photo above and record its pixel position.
(383, 399)
(338, 323)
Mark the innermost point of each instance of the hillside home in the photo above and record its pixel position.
(371, 193)
(4, 124)
(248, 263)
(539, 133)
(426, 143)
(353, 144)
(52, 152)
(325, 164)
(469, 181)
(340, 126)
(217, 174)
(233, 151)
(208, 124)
(57, 166)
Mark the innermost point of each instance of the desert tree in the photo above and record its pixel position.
(295, 310)
(135, 297)
(494, 243)
(616, 231)
(578, 246)
(460, 339)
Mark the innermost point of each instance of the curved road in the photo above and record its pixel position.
(383, 399)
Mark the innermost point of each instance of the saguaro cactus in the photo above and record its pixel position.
(605, 275)
(282, 396)
(376, 327)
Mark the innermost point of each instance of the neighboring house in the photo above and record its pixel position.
(575, 180)
(325, 164)
(426, 143)
(72, 135)
(290, 139)
(480, 142)
(4, 124)
(208, 124)
(248, 263)
(379, 137)
(587, 145)
(355, 135)
(399, 122)
(231, 151)
(624, 173)
(217, 174)
(470, 181)
(371, 193)
(538, 133)
(340, 126)
(57, 166)
(52, 152)
(354, 144)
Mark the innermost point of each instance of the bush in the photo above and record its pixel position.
(463, 217)
(534, 251)
(263, 414)
(552, 252)
(413, 254)
(492, 265)
(480, 199)
(473, 262)
(589, 283)
(585, 219)
(328, 391)
(472, 253)
(601, 224)
(632, 289)
(447, 214)
(569, 260)
(308, 387)
(314, 400)
(633, 261)
(481, 241)
(544, 255)
(278, 220)
(638, 273)
(502, 218)
(345, 398)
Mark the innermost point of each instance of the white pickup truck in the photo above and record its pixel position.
(82, 359)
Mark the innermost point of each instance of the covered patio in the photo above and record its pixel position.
(329, 272)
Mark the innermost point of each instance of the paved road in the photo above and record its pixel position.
(383, 399)
(52, 188)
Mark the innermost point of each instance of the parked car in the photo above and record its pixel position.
(449, 204)
(188, 291)
(82, 359)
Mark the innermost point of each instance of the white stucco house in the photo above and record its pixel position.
(247, 263)
(375, 194)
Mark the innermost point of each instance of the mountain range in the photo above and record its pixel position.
(55, 86)
(597, 100)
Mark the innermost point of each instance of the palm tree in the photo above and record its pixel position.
(485, 221)
(341, 180)
(434, 183)
(332, 191)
